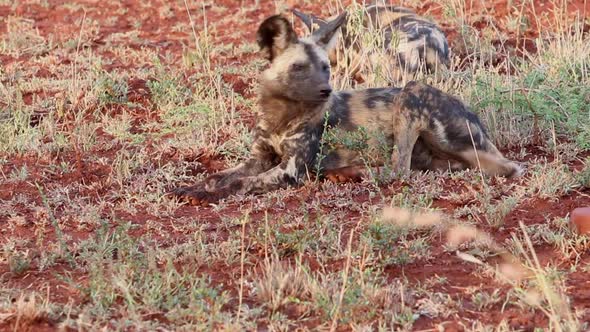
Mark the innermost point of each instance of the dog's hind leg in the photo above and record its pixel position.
(473, 148)
(408, 123)
(455, 133)
(491, 161)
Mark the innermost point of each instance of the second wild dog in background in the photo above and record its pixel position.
(420, 126)
(408, 42)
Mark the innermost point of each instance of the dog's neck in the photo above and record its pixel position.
(279, 113)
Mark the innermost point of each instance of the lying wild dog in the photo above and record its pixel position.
(427, 127)
(411, 42)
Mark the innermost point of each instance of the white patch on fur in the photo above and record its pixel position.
(291, 167)
(410, 51)
(276, 174)
(440, 131)
(276, 140)
(280, 40)
(295, 136)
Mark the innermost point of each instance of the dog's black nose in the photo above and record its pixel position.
(326, 92)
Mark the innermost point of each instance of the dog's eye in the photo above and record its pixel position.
(325, 67)
(298, 66)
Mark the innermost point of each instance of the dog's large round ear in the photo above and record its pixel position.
(275, 35)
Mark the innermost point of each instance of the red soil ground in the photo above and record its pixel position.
(63, 23)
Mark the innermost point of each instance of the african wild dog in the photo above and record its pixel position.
(411, 42)
(428, 127)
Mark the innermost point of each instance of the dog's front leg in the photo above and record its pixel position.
(299, 153)
(207, 191)
(290, 172)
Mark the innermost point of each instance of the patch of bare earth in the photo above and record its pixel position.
(55, 202)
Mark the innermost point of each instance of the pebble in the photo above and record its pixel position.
(580, 220)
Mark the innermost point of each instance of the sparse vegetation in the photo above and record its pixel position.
(99, 121)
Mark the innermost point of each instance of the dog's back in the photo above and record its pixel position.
(410, 42)
(419, 40)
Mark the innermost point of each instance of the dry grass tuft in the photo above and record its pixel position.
(280, 283)
(106, 121)
(25, 312)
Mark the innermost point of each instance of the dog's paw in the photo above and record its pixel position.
(518, 170)
(196, 195)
